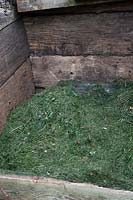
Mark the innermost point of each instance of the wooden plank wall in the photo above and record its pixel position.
(91, 46)
(74, 35)
(49, 70)
(35, 5)
(16, 81)
(16, 89)
(13, 49)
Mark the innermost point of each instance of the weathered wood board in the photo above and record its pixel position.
(122, 6)
(33, 188)
(18, 88)
(7, 18)
(14, 49)
(86, 34)
(32, 5)
(49, 70)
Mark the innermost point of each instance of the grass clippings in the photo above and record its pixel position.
(71, 133)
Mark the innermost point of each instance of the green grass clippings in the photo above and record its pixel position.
(71, 133)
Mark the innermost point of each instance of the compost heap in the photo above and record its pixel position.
(73, 131)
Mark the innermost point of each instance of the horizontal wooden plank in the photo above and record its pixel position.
(49, 70)
(124, 6)
(87, 34)
(13, 49)
(32, 5)
(29, 188)
(18, 88)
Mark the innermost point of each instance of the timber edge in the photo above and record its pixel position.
(28, 188)
(32, 5)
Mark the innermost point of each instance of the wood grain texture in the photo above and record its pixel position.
(87, 34)
(18, 88)
(35, 188)
(49, 70)
(32, 5)
(14, 49)
(8, 18)
(122, 6)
